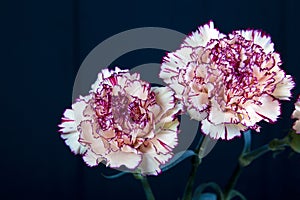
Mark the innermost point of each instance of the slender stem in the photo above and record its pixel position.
(188, 191)
(146, 186)
(147, 189)
(232, 181)
(187, 195)
(247, 158)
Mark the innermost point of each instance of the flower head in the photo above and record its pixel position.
(228, 82)
(296, 115)
(123, 122)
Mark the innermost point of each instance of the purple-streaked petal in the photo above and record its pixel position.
(259, 38)
(283, 88)
(91, 159)
(128, 159)
(173, 62)
(202, 36)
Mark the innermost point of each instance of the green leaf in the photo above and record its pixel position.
(179, 157)
(247, 141)
(115, 175)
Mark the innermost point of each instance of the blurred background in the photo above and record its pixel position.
(43, 44)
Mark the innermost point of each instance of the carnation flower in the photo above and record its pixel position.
(296, 115)
(229, 83)
(123, 122)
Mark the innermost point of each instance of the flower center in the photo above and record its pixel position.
(123, 113)
(233, 60)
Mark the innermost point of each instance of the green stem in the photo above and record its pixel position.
(247, 158)
(146, 186)
(232, 181)
(188, 191)
(187, 195)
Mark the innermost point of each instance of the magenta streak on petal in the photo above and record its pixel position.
(113, 79)
(168, 148)
(168, 70)
(66, 120)
(266, 118)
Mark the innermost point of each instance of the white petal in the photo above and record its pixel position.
(296, 126)
(104, 74)
(233, 130)
(202, 36)
(71, 139)
(196, 115)
(214, 131)
(67, 127)
(71, 119)
(79, 108)
(91, 159)
(89, 137)
(199, 101)
(150, 164)
(137, 88)
(269, 109)
(223, 131)
(258, 38)
(164, 97)
(296, 113)
(180, 90)
(173, 62)
(166, 140)
(128, 159)
(283, 88)
(217, 116)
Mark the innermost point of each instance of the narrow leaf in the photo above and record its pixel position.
(247, 141)
(177, 159)
(115, 175)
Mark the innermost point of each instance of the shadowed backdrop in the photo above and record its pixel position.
(43, 45)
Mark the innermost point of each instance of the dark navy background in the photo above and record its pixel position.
(42, 46)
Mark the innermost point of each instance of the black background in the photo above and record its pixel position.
(42, 46)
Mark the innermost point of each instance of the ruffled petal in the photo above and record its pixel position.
(223, 131)
(137, 89)
(166, 139)
(70, 120)
(217, 116)
(268, 110)
(283, 88)
(71, 139)
(164, 97)
(259, 38)
(150, 164)
(104, 74)
(173, 62)
(199, 101)
(196, 115)
(91, 159)
(296, 115)
(128, 159)
(296, 126)
(202, 36)
(90, 138)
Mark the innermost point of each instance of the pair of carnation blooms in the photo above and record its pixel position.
(227, 82)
